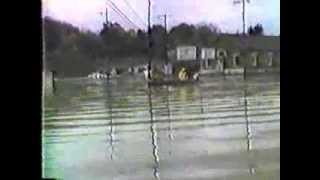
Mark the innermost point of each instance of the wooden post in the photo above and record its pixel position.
(53, 81)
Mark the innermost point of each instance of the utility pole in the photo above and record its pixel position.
(165, 36)
(107, 21)
(244, 16)
(165, 21)
(243, 2)
(149, 39)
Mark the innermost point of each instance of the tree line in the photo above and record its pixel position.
(73, 52)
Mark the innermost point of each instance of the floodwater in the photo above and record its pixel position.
(222, 128)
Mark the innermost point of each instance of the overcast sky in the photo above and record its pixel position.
(223, 13)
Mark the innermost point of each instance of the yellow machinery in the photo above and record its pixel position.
(183, 75)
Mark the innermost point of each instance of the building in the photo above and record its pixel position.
(230, 51)
(250, 51)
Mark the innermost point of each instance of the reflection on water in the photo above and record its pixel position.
(218, 129)
(251, 170)
(153, 138)
(111, 132)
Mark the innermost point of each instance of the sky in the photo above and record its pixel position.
(86, 14)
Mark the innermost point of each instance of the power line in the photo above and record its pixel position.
(123, 16)
(119, 12)
(128, 4)
(123, 19)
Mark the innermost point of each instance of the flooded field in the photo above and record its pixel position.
(220, 128)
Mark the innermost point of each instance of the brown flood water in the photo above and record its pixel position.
(217, 129)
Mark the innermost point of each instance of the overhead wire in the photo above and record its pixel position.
(123, 15)
(136, 14)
